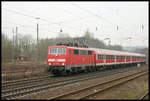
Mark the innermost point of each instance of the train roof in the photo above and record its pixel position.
(81, 48)
(114, 52)
(103, 51)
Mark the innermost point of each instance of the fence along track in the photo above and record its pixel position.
(36, 88)
(85, 92)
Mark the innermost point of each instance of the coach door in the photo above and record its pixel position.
(104, 59)
(93, 58)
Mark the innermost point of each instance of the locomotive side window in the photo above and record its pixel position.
(76, 52)
(89, 52)
(83, 52)
(69, 51)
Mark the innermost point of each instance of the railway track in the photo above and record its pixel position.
(144, 96)
(8, 84)
(27, 81)
(40, 86)
(91, 90)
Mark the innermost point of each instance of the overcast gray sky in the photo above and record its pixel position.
(76, 17)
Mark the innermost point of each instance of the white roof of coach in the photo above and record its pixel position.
(114, 52)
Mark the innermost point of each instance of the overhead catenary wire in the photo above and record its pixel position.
(26, 26)
(96, 15)
(49, 22)
(43, 19)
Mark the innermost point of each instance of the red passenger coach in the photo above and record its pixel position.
(112, 58)
(65, 60)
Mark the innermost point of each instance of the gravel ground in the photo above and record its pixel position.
(130, 90)
(59, 90)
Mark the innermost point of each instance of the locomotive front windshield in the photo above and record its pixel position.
(57, 50)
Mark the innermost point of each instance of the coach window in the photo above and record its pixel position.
(107, 56)
(76, 52)
(128, 57)
(99, 56)
(118, 57)
(123, 57)
(113, 57)
(102, 57)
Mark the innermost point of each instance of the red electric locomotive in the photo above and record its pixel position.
(62, 59)
(66, 60)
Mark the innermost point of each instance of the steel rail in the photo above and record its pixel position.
(22, 91)
(143, 96)
(26, 80)
(74, 92)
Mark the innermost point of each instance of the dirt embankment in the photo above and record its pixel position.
(17, 70)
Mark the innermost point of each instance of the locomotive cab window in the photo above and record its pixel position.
(76, 52)
(89, 52)
(57, 50)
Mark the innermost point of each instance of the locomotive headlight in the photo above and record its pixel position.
(61, 60)
(62, 63)
(51, 60)
(49, 63)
